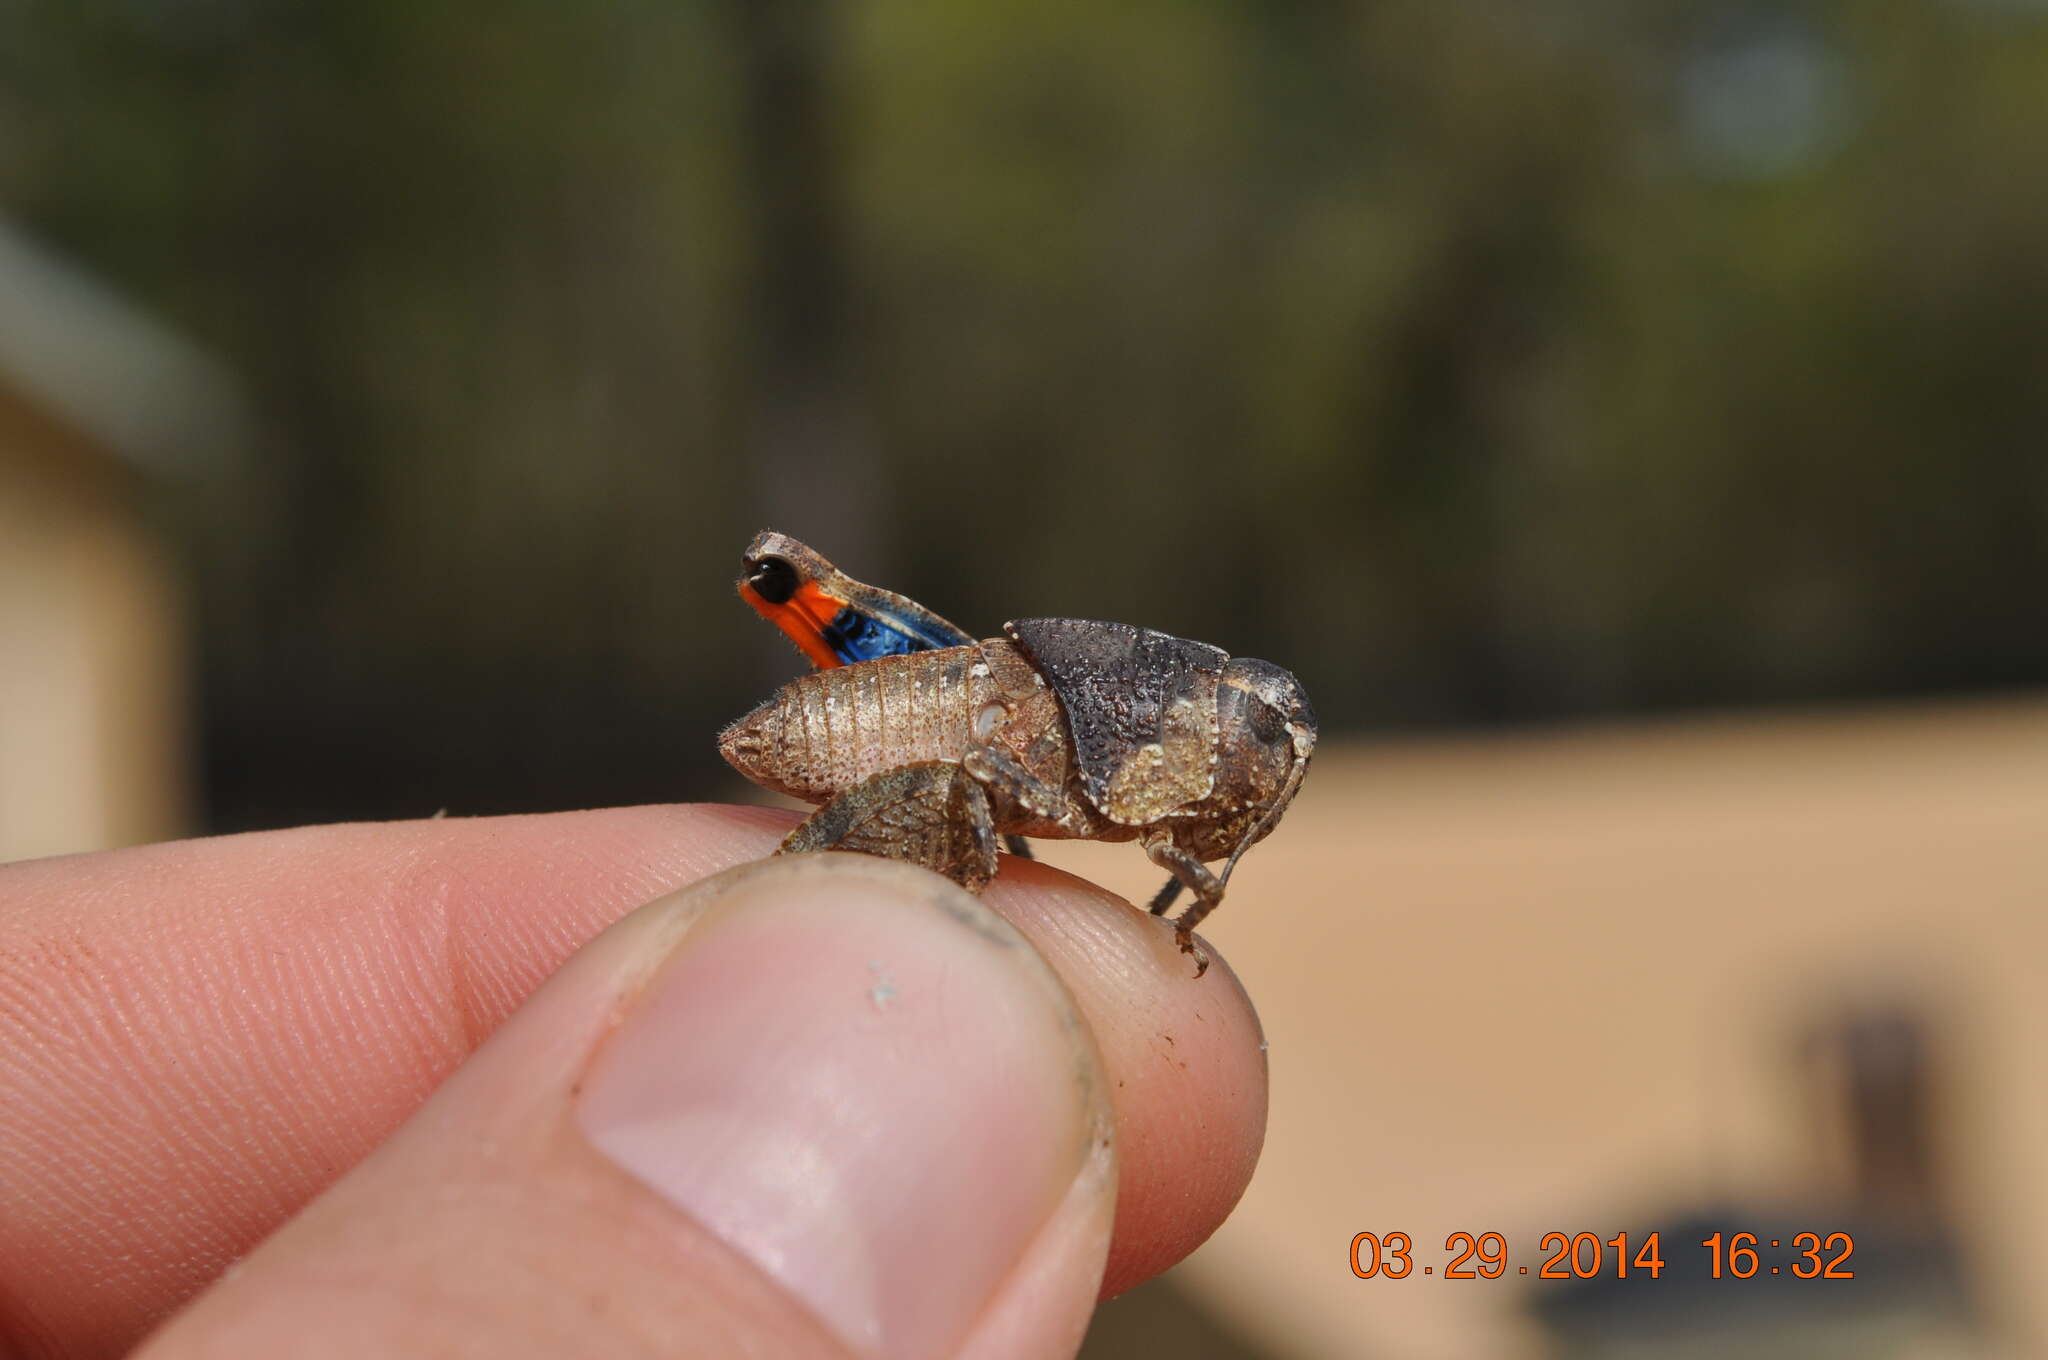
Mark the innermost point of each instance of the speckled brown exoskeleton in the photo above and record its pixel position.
(1061, 728)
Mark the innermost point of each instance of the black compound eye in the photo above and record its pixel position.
(1268, 724)
(773, 579)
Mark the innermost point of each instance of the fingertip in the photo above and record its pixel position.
(1186, 1058)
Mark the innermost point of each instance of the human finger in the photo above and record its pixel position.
(817, 1107)
(200, 1036)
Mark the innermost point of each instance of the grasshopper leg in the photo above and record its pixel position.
(931, 813)
(1186, 869)
(1010, 782)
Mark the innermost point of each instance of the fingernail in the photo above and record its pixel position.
(863, 1081)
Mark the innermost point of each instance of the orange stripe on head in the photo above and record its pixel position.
(802, 619)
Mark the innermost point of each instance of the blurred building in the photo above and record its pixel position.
(1866, 1267)
(101, 412)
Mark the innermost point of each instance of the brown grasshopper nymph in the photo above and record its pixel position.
(1064, 728)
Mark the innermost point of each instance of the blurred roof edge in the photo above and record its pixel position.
(101, 365)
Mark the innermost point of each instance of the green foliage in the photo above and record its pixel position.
(1476, 360)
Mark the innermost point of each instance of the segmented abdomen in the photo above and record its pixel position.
(825, 732)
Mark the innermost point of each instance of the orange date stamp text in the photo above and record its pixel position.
(1588, 1255)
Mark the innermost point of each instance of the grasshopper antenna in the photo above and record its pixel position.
(1304, 744)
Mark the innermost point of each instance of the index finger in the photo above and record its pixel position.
(198, 1037)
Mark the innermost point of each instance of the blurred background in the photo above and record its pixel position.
(1627, 419)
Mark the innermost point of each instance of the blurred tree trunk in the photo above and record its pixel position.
(812, 464)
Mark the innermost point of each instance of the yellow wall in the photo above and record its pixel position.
(1556, 982)
(92, 684)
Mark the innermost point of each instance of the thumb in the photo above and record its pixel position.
(819, 1106)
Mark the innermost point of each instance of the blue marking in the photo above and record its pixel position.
(854, 636)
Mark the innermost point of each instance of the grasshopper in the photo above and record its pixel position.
(920, 743)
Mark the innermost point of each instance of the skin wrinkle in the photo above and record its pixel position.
(23, 1011)
(470, 1018)
(223, 1020)
(70, 1179)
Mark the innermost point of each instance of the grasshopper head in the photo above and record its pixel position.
(1266, 732)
